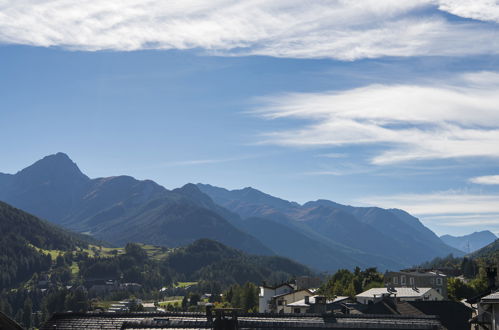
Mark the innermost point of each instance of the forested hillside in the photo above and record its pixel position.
(22, 237)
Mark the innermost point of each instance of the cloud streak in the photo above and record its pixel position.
(340, 29)
(444, 208)
(487, 180)
(412, 122)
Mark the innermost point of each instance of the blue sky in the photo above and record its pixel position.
(382, 103)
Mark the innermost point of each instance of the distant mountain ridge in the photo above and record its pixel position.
(120, 209)
(117, 209)
(471, 242)
(391, 237)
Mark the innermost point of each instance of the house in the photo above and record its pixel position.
(149, 307)
(402, 294)
(488, 312)
(418, 278)
(314, 304)
(452, 314)
(97, 286)
(268, 292)
(278, 304)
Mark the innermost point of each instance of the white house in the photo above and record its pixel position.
(403, 294)
(268, 292)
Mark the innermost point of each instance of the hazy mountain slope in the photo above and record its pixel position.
(5, 180)
(408, 235)
(196, 196)
(176, 223)
(471, 242)
(393, 234)
(119, 209)
(112, 197)
(247, 202)
(50, 188)
(293, 243)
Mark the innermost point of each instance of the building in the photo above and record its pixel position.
(401, 294)
(488, 312)
(278, 304)
(172, 320)
(418, 278)
(268, 292)
(314, 304)
(452, 314)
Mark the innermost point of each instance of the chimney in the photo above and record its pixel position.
(307, 299)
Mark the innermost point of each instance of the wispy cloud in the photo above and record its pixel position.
(413, 122)
(440, 205)
(333, 155)
(340, 29)
(445, 209)
(465, 220)
(484, 10)
(199, 162)
(488, 179)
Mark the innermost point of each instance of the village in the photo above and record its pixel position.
(411, 298)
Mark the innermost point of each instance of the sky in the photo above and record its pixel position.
(387, 103)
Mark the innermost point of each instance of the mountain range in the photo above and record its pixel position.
(470, 243)
(25, 240)
(321, 234)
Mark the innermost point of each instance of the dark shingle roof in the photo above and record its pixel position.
(452, 314)
(7, 323)
(115, 321)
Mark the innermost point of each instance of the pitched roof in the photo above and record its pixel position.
(277, 286)
(292, 292)
(493, 297)
(301, 303)
(8, 323)
(115, 321)
(399, 292)
(453, 315)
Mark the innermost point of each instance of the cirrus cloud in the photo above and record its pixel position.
(340, 29)
(411, 122)
(445, 209)
(487, 179)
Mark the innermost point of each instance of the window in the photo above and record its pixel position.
(297, 311)
(439, 281)
(411, 280)
(402, 280)
(439, 290)
(395, 280)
